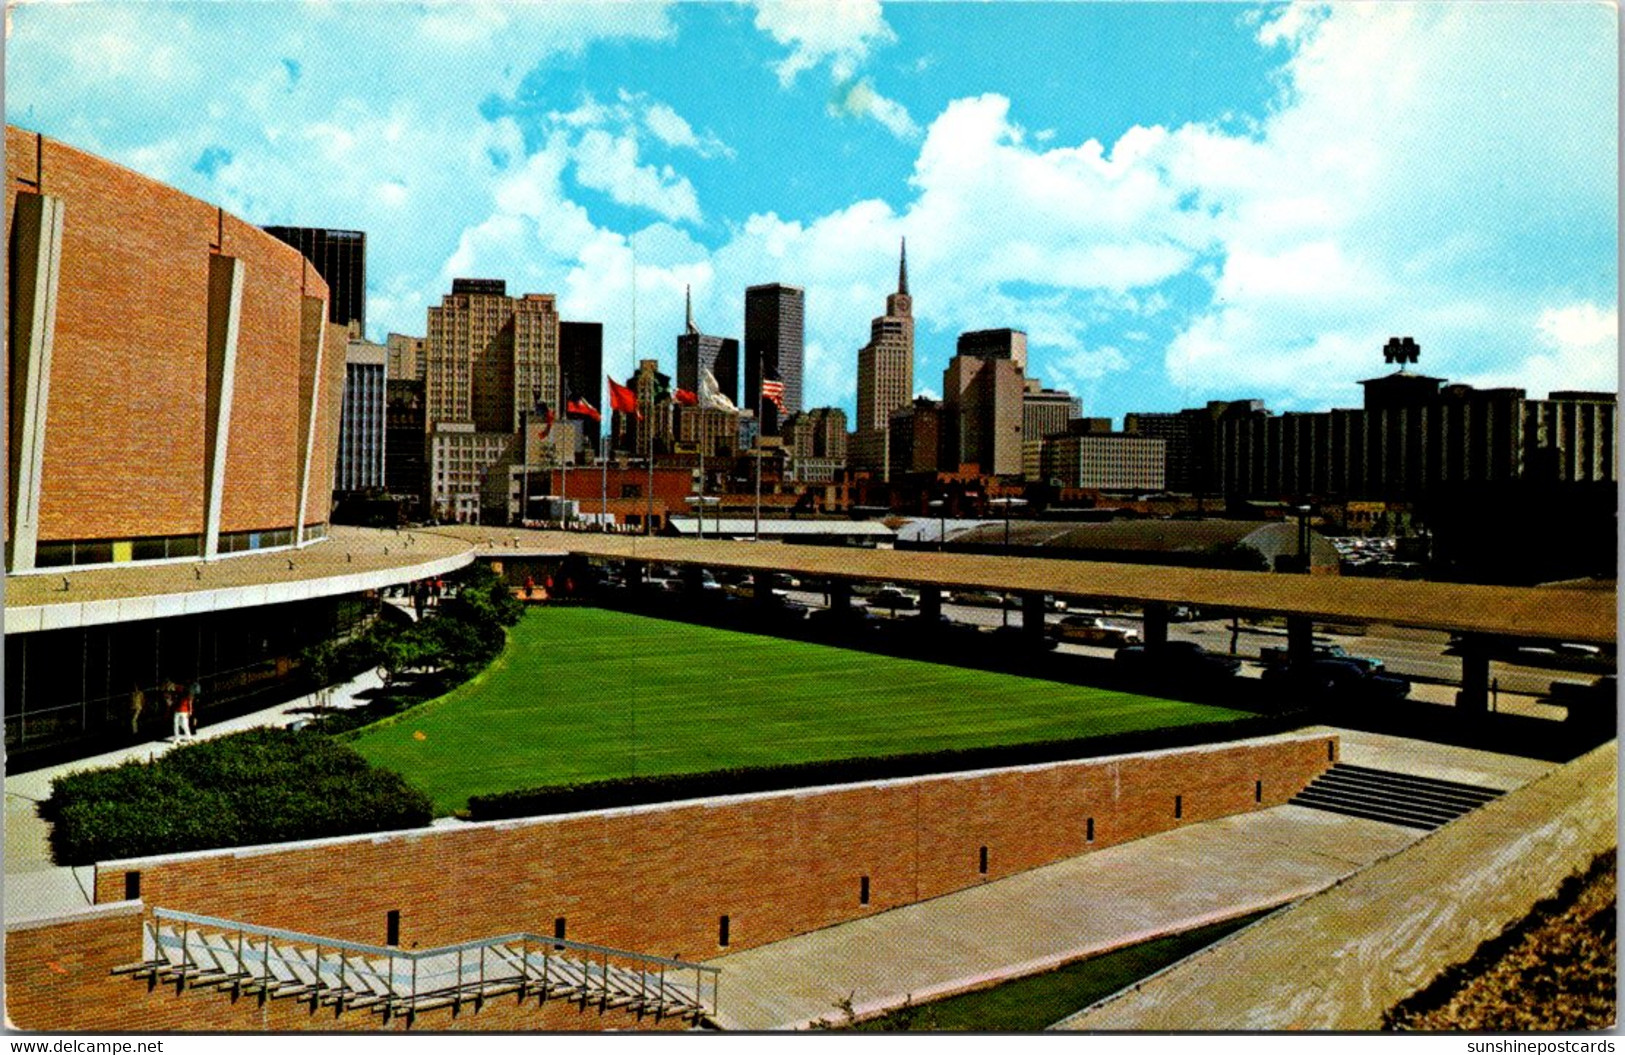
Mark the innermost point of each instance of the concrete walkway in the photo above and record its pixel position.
(34, 886)
(1340, 959)
(1103, 900)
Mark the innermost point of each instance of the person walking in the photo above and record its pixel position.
(138, 703)
(182, 710)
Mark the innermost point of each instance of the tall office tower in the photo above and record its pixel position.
(360, 463)
(403, 440)
(982, 400)
(491, 359)
(885, 375)
(995, 344)
(341, 259)
(581, 365)
(773, 343)
(698, 351)
(406, 357)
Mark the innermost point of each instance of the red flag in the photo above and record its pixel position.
(623, 399)
(686, 398)
(582, 409)
(546, 413)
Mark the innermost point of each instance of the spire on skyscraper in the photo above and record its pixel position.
(902, 269)
(688, 307)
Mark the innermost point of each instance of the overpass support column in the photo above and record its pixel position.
(1032, 616)
(1475, 674)
(1300, 640)
(930, 603)
(636, 574)
(840, 596)
(1155, 621)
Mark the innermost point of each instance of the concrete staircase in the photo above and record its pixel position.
(192, 951)
(1397, 798)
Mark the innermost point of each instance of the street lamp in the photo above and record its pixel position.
(1303, 537)
(1007, 503)
(699, 502)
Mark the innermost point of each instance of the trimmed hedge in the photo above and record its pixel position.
(671, 787)
(259, 786)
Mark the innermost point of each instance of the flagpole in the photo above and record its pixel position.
(524, 455)
(701, 509)
(756, 530)
(603, 479)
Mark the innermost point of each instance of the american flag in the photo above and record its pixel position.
(774, 391)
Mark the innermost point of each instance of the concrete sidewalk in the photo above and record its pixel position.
(1103, 900)
(34, 885)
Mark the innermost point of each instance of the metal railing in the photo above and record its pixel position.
(198, 951)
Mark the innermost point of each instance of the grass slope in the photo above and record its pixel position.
(584, 694)
(1040, 1001)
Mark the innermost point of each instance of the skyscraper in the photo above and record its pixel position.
(698, 351)
(982, 393)
(885, 374)
(490, 359)
(360, 465)
(581, 364)
(340, 258)
(773, 344)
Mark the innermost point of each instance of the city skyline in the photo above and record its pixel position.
(1177, 203)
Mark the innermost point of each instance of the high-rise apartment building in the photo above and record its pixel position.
(818, 433)
(491, 359)
(406, 357)
(341, 259)
(581, 365)
(885, 375)
(697, 352)
(917, 435)
(774, 336)
(1046, 411)
(360, 465)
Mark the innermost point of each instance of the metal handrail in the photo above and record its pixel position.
(388, 950)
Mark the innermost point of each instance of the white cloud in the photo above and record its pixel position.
(609, 163)
(1422, 200)
(1577, 349)
(859, 99)
(840, 34)
(672, 129)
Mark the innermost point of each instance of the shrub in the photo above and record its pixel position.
(263, 785)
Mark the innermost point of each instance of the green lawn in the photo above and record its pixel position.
(583, 694)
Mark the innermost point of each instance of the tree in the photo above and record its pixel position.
(1236, 556)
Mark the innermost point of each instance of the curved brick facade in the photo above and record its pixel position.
(149, 331)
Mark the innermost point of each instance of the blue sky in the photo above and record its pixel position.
(1177, 202)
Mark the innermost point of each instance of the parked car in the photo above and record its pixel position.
(1281, 655)
(977, 599)
(1092, 630)
(894, 598)
(1180, 660)
(1339, 678)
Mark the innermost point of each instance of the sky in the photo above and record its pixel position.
(1177, 202)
